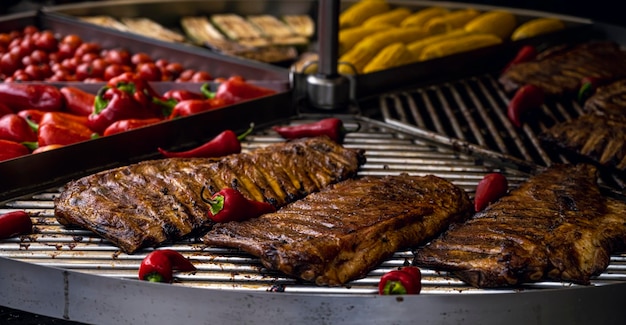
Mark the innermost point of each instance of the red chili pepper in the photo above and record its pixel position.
(526, 53)
(78, 101)
(492, 187)
(194, 106)
(114, 104)
(403, 281)
(331, 127)
(235, 89)
(15, 223)
(15, 128)
(158, 265)
(129, 124)
(223, 144)
(19, 96)
(230, 205)
(526, 98)
(11, 149)
(182, 94)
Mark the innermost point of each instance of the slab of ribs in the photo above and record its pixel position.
(556, 226)
(157, 201)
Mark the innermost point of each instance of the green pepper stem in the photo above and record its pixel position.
(206, 91)
(246, 133)
(215, 205)
(395, 288)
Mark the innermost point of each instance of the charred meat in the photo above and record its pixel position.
(556, 226)
(609, 101)
(560, 72)
(341, 233)
(599, 135)
(152, 202)
(595, 138)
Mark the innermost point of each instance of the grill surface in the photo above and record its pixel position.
(388, 152)
(473, 110)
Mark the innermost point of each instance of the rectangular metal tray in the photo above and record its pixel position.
(25, 174)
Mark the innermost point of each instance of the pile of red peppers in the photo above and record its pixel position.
(40, 117)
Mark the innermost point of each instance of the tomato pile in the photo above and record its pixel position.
(31, 54)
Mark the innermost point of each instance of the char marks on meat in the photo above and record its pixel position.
(340, 233)
(560, 73)
(596, 138)
(556, 226)
(152, 202)
(599, 135)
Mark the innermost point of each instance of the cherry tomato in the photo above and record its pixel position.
(114, 70)
(88, 47)
(140, 57)
(46, 41)
(186, 75)
(149, 71)
(201, 76)
(117, 56)
(72, 40)
(9, 62)
(39, 56)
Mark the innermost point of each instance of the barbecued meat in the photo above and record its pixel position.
(609, 101)
(594, 137)
(555, 226)
(151, 202)
(339, 234)
(560, 73)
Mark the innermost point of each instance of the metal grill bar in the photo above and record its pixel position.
(388, 152)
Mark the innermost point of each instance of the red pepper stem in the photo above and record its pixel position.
(154, 277)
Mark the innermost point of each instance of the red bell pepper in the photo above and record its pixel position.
(492, 187)
(62, 117)
(62, 129)
(223, 144)
(194, 106)
(236, 89)
(527, 97)
(114, 104)
(78, 101)
(405, 280)
(158, 265)
(230, 205)
(4, 110)
(11, 149)
(331, 127)
(19, 96)
(182, 94)
(15, 128)
(129, 124)
(15, 223)
(142, 92)
(47, 148)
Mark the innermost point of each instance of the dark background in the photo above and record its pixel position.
(598, 10)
